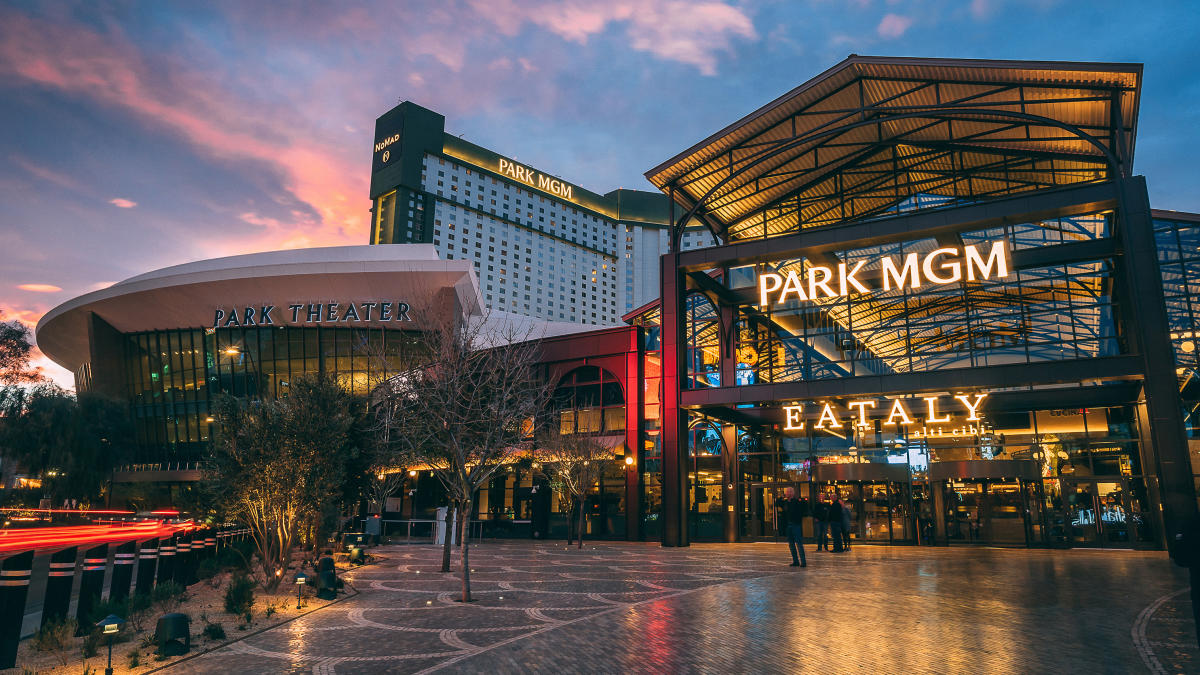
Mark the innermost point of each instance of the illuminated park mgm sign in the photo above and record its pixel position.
(932, 416)
(314, 313)
(535, 178)
(944, 266)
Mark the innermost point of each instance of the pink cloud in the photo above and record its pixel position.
(122, 203)
(317, 169)
(693, 33)
(893, 26)
(39, 288)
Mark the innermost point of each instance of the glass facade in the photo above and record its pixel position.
(1178, 242)
(1035, 313)
(172, 376)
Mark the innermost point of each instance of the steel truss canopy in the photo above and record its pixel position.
(879, 135)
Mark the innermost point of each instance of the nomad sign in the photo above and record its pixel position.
(535, 178)
(944, 266)
(320, 312)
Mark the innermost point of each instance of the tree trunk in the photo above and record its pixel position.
(466, 546)
(582, 513)
(446, 541)
(571, 522)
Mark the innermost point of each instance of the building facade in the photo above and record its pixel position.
(541, 246)
(933, 288)
(170, 340)
(939, 293)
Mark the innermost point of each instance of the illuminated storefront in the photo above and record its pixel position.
(937, 295)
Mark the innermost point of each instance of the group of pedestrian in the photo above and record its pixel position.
(831, 519)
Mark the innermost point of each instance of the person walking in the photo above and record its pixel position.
(835, 524)
(795, 510)
(847, 521)
(1185, 551)
(821, 521)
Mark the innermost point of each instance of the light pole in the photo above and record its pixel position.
(110, 625)
(301, 579)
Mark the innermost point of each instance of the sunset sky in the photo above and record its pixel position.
(143, 134)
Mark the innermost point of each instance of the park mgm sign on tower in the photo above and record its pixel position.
(897, 236)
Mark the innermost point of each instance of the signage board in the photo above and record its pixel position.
(946, 265)
(299, 314)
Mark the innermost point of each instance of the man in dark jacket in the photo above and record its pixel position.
(794, 511)
(1185, 551)
(821, 523)
(835, 524)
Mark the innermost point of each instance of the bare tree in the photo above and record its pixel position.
(574, 462)
(464, 408)
(385, 481)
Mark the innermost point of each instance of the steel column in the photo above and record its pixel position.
(123, 560)
(674, 418)
(1151, 333)
(146, 567)
(91, 585)
(14, 591)
(166, 561)
(58, 585)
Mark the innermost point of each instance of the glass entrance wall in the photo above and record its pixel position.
(172, 375)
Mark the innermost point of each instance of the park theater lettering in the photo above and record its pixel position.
(944, 266)
(318, 312)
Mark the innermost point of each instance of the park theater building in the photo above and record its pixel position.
(938, 290)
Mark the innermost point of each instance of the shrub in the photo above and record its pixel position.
(91, 643)
(207, 569)
(100, 610)
(214, 631)
(239, 597)
(135, 659)
(56, 637)
(168, 595)
(137, 610)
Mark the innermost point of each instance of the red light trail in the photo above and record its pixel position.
(60, 537)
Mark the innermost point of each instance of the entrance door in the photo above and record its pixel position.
(1096, 513)
(764, 516)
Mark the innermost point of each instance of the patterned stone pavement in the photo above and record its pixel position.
(720, 608)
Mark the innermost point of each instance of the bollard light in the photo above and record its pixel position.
(110, 626)
(301, 579)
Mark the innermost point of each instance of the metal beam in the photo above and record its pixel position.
(1040, 205)
(956, 379)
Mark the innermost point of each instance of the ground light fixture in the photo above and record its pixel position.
(301, 579)
(110, 626)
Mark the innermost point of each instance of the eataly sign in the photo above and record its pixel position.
(899, 413)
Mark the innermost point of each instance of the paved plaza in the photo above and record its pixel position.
(721, 608)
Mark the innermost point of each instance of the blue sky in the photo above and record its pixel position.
(143, 134)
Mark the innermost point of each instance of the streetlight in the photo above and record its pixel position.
(110, 625)
(301, 579)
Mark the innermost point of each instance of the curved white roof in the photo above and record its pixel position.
(188, 295)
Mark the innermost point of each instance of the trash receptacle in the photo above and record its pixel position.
(173, 633)
(441, 526)
(327, 585)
